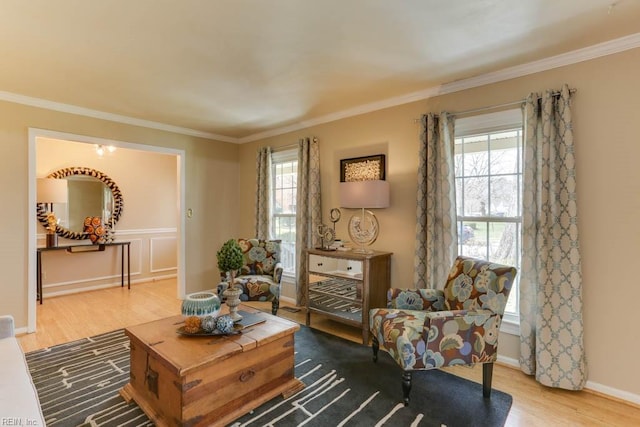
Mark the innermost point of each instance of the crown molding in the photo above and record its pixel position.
(580, 55)
(355, 111)
(87, 112)
(591, 52)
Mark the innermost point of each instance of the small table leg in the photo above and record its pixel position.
(129, 265)
(128, 247)
(122, 267)
(39, 276)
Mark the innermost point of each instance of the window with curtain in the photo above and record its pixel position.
(284, 174)
(488, 170)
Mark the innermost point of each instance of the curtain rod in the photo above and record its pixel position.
(289, 146)
(498, 106)
(284, 147)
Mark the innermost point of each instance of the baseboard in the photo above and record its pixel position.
(107, 285)
(509, 361)
(590, 386)
(288, 300)
(20, 331)
(613, 393)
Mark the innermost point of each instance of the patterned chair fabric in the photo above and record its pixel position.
(431, 328)
(261, 274)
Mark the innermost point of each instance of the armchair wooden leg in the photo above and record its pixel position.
(375, 346)
(487, 374)
(406, 386)
(275, 304)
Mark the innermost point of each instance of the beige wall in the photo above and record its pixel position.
(211, 188)
(606, 111)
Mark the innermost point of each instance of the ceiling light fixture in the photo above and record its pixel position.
(100, 149)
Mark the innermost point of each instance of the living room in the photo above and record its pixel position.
(220, 178)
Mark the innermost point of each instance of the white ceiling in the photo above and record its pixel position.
(239, 69)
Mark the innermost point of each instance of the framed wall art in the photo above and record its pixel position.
(363, 168)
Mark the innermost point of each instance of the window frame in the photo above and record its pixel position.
(485, 124)
(278, 158)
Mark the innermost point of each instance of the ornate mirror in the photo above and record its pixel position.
(90, 193)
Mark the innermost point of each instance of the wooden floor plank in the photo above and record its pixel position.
(67, 318)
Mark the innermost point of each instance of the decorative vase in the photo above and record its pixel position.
(201, 304)
(232, 294)
(52, 240)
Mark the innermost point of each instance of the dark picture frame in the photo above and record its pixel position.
(363, 168)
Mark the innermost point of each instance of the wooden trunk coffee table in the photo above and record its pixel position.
(212, 380)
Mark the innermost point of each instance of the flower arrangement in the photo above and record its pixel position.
(52, 223)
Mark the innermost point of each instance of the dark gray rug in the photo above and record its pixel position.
(78, 384)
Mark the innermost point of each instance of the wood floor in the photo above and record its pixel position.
(67, 318)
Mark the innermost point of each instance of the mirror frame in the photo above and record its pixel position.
(118, 202)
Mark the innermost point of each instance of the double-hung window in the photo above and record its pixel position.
(488, 170)
(284, 174)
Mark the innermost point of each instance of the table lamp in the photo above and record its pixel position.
(363, 195)
(49, 192)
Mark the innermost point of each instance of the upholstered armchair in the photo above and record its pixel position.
(431, 328)
(261, 274)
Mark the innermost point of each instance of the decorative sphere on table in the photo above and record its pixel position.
(208, 324)
(224, 324)
(201, 304)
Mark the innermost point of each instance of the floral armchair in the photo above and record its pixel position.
(261, 274)
(431, 328)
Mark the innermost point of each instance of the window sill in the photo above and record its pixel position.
(288, 278)
(510, 327)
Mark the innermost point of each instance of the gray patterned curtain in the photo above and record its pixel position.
(308, 209)
(436, 235)
(551, 328)
(263, 193)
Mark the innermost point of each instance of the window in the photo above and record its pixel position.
(488, 169)
(284, 174)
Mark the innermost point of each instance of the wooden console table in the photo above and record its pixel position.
(84, 248)
(343, 286)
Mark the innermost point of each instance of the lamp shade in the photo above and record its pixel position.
(52, 190)
(364, 194)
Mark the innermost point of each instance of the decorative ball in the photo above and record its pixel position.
(201, 304)
(192, 324)
(224, 324)
(208, 324)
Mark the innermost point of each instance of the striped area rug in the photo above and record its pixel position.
(78, 382)
(78, 385)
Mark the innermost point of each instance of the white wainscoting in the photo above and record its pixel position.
(153, 256)
(163, 254)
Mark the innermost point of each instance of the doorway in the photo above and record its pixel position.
(40, 136)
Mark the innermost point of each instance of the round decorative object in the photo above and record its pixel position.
(224, 324)
(94, 229)
(334, 215)
(208, 324)
(192, 324)
(363, 229)
(329, 236)
(201, 304)
(116, 199)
